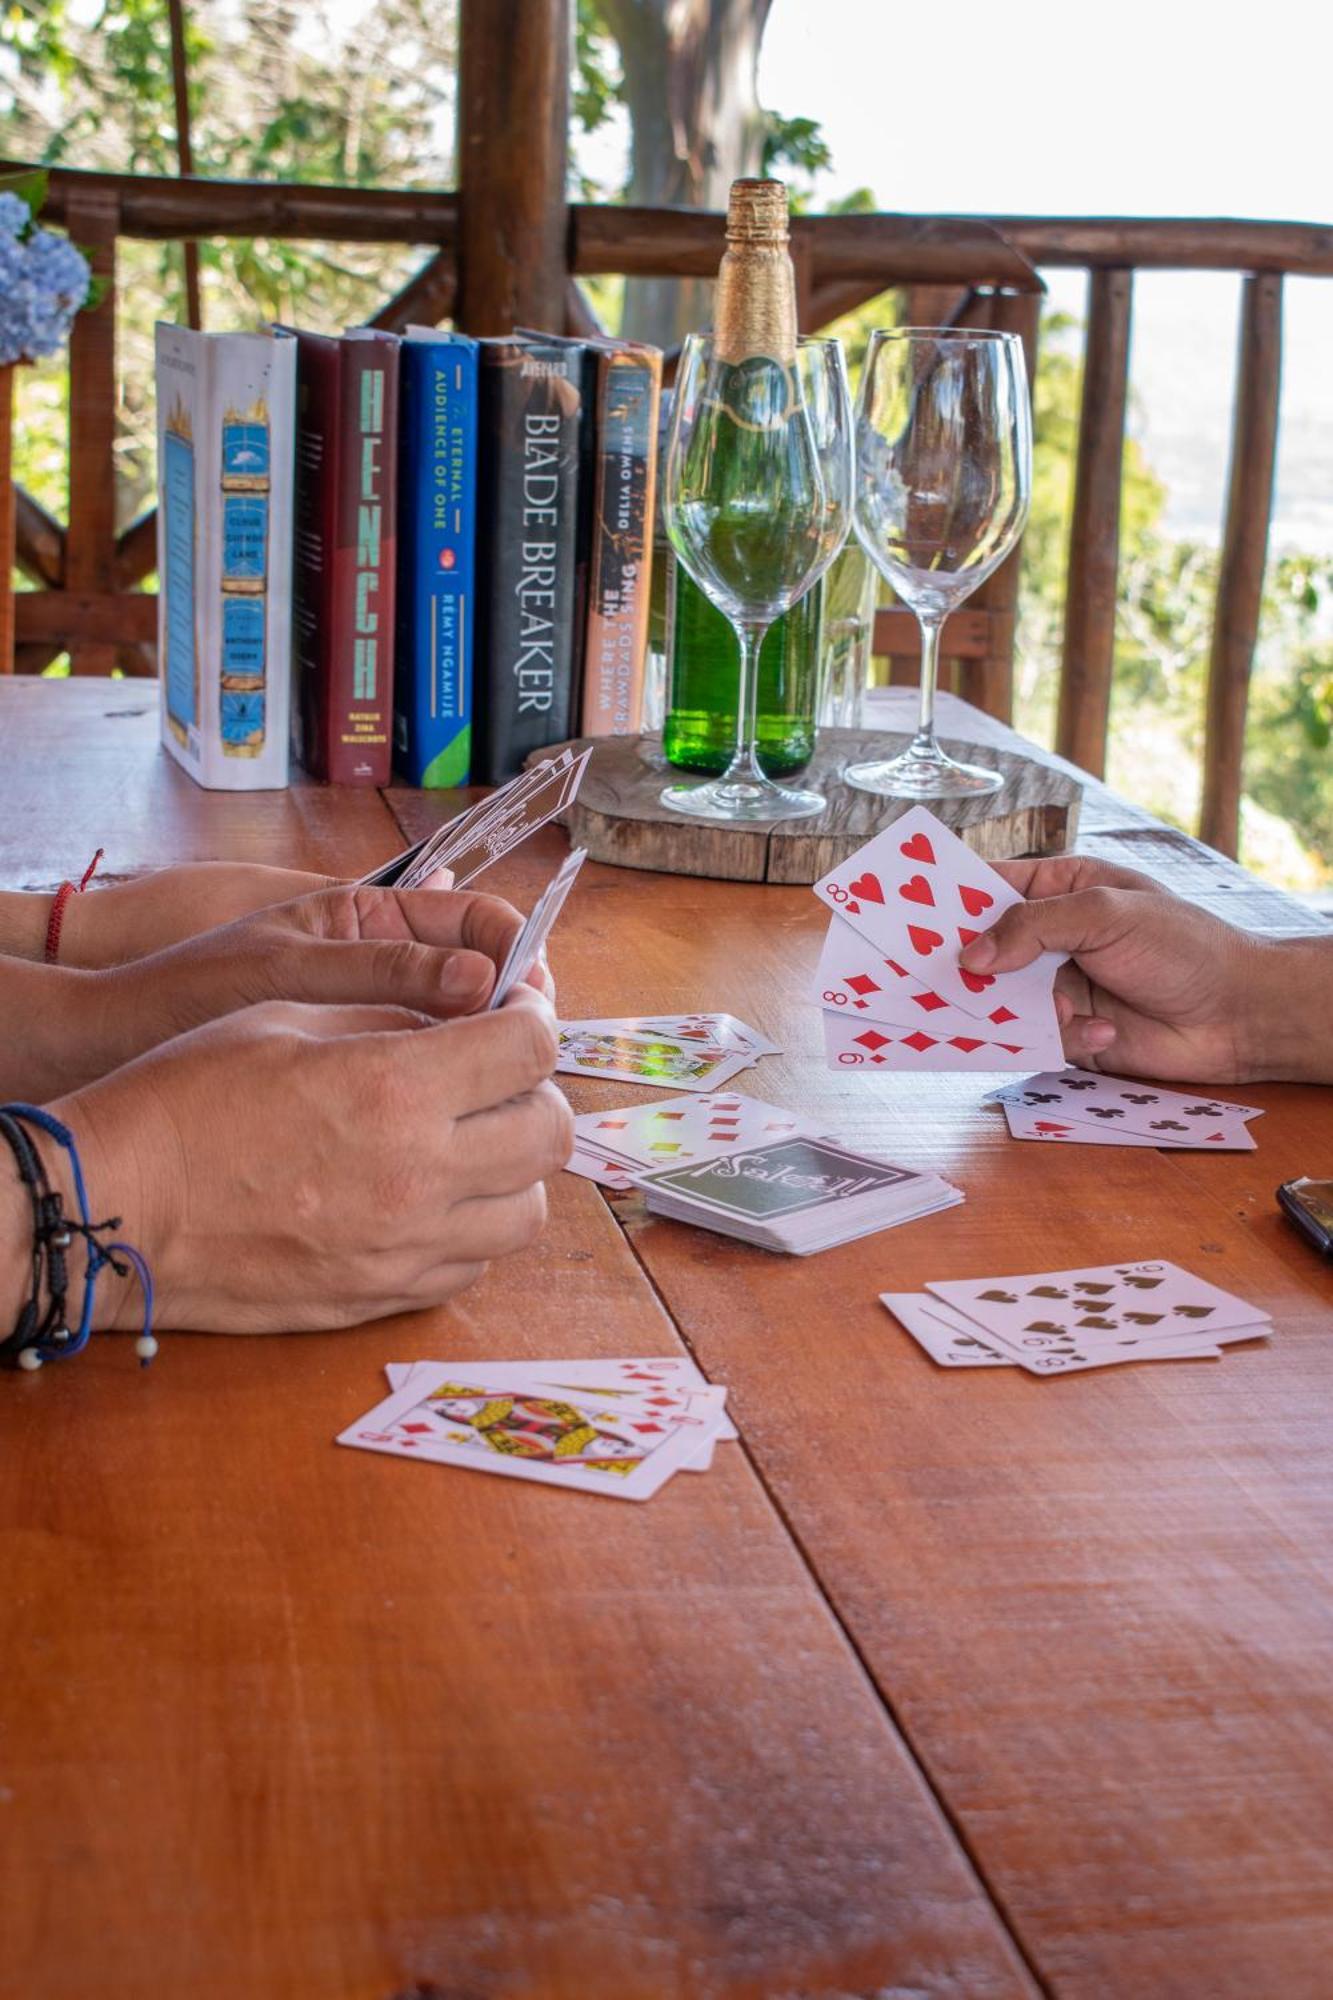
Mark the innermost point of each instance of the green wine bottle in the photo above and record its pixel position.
(703, 666)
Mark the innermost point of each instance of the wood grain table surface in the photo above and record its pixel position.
(938, 1684)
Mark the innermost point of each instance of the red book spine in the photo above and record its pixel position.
(346, 556)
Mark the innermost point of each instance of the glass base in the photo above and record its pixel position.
(929, 775)
(743, 800)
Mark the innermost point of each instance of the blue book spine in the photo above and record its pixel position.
(436, 556)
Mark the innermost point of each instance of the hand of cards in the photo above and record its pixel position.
(689, 1051)
(473, 839)
(619, 1427)
(1084, 1108)
(893, 993)
(1063, 1322)
(751, 1170)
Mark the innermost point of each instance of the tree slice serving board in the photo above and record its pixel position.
(618, 815)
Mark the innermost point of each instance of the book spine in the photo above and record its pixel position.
(359, 720)
(528, 508)
(318, 439)
(620, 584)
(436, 541)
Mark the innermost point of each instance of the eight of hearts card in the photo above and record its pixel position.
(519, 1427)
(1080, 1107)
(914, 897)
(1059, 1322)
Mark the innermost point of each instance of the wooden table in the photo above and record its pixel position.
(937, 1685)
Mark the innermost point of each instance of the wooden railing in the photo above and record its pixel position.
(508, 249)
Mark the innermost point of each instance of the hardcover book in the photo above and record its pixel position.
(629, 386)
(529, 412)
(437, 503)
(346, 509)
(225, 423)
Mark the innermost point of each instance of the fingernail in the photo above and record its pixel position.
(978, 955)
(462, 975)
(1099, 1034)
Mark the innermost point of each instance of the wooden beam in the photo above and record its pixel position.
(426, 298)
(165, 209)
(85, 620)
(39, 541)
(180, 84)
(513, 141)
(136, 551)
(1094, 541)
(966, 636)
(90, 545)
(1244, 555)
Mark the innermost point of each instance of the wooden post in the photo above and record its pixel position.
(90, 546)
(1094, 541)
(180, 83)
(513, 138)
(7, 519)
(1244, 554)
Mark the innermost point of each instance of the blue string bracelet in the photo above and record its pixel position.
(39, 1338)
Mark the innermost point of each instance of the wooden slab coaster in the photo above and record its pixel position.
(618, 815)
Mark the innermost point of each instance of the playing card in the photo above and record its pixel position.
(644, 1059)
(919, 895)
(593, 1167)
(679, 1129)
(1027, 1122)
(852, 1044)
(797, 1195)
(460, 1415)
(721, 1031)
(537, 927)
(948, 1337)
(860, 983)
(483, 832)
(1051, 1313)
(1122, 1104)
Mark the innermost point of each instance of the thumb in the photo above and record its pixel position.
(397, 972)
(1072, 925)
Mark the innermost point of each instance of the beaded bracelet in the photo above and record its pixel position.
(46, 1336)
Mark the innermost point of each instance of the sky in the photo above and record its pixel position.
(1069, 109)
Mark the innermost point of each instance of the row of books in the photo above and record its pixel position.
(424, 554)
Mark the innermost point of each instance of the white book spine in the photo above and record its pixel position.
(226, 431)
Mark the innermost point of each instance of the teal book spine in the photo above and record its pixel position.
(437, 509)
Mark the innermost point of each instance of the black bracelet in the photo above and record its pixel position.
(41, 1336)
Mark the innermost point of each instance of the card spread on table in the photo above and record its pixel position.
(537, 927)
(623, 1437)
(688, 1051)
(675, 1130)
(904, 907)
(1085, 1107)
(482, 833)
(1056, 1322)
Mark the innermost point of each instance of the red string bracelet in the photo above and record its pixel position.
(62, 896)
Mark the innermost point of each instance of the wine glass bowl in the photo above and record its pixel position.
(756, 503)
(943, 480)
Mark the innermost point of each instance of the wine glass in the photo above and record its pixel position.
(757, 503)
(943, 480)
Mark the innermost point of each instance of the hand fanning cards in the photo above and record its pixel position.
(1064, 1322)
(894, 994)
(1086, 1108)
(619, 1427)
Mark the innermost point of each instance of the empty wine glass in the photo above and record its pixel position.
(943, 480)
(757, 502)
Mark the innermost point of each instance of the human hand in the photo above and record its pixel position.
(1155, 986)
(300, 1167)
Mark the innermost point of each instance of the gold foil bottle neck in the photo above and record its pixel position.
(756, 282)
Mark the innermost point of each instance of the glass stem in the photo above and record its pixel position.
(745, 763)
(923, 743)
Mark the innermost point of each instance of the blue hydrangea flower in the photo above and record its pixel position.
(14, 216)
(43, 283)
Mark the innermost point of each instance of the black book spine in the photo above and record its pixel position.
(529, 409)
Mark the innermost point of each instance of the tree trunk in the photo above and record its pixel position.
(691, 85)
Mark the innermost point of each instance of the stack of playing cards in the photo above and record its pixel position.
(893, 993)
(617, 1427)
(1080, 1108)
(751, 1170)
(680, 1051)
(474, 839)
(537, 927)
(1062, 1322)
